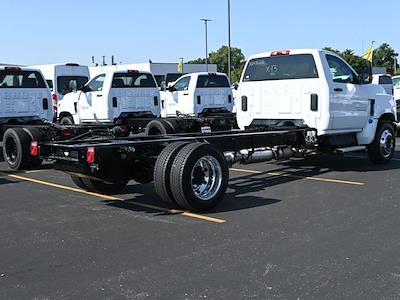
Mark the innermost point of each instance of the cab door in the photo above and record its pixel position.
(91, 100)
(349, 103)
(178, 98)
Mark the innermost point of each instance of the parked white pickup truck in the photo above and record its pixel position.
(199, 95)
(127, 97)
(318, 89)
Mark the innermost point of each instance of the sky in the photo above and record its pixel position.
(41, 32)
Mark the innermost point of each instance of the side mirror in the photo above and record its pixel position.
(365, 76)
(235, 86)
(163, 86)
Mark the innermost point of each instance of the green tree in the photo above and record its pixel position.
(197, 61)
(220, 58)
(384, 56)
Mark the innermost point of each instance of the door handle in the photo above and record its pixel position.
(338, 90)
(99, 95)
(186, 94)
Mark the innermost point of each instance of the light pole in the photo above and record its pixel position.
(229, 40)
(205, 24)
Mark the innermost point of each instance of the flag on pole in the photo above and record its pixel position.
(180, 66)
(369, 53)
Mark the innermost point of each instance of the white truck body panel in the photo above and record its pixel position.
(342, 107)
(25, 101)
(194, 100)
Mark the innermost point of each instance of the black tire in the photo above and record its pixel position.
(16, 148)
(103, 187)
(79, 182)
(162, 171)
(382, 149)
(187, 175)
(159, 127)
(67, 120)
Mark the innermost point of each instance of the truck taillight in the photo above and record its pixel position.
(230, 98)
(54, 98)
(34, 148)
(280, 52)
(90, 155)
(155, 101)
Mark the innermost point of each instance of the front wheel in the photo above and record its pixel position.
(381, 150)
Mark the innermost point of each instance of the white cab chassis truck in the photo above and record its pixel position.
(25, 101)
(123, 97)
(320, 90)
(26, 115)
(292, 103)
(205, 97)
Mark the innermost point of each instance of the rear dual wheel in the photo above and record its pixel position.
(196, 179)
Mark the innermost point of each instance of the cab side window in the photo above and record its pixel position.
(96, 84)
(340, 71)
(183, 84)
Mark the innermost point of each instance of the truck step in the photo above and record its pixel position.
(350, 149)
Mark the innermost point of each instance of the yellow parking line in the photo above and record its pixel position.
(171, 211)
(300, 177)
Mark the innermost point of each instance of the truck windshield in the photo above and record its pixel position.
(133, 80)
(21, 79)
(283, 67)
(68, 84)
(212, 81)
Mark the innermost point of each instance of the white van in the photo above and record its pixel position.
(24, 96)
(384, 81)
(64, 78)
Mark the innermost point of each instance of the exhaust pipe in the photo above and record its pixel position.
(247, 156)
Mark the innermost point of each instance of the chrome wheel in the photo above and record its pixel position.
(206, 178)
(386, 143)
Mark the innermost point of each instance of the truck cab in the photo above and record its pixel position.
(314, 88)
(198, 94)
(24, 96)
(113, 96)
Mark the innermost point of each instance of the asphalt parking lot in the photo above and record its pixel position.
(317, 228)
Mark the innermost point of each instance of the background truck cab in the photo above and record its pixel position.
(24, 96)
(198, 94)
(112, 97)
(317, 89)
(63, 79)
